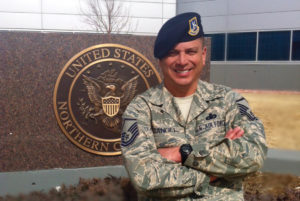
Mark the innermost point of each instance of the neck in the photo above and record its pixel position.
(181, 91)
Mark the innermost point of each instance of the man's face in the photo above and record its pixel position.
(182, 67)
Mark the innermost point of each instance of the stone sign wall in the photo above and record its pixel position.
(30, 64)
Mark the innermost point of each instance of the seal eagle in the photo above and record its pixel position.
(98, 89)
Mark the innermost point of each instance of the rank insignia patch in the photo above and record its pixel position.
(130, 132)
(245, 110)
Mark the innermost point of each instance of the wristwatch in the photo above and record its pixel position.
(185, 150)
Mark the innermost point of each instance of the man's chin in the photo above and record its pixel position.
(183, 82)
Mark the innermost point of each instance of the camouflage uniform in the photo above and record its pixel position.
(153, 120)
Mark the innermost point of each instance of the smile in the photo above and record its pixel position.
(182, 71)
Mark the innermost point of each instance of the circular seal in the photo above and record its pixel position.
(93, 90)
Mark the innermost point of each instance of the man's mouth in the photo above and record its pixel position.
(182, 71)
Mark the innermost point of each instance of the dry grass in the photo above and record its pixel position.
(280, 113)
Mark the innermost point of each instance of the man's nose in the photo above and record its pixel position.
(182, 59)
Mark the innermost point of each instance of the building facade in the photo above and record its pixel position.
(146, 16)
(255, 44)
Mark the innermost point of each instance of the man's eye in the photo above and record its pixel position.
(192, 52)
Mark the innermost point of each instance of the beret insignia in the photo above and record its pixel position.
(194, 28)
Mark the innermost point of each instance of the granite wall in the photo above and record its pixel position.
(30, 62)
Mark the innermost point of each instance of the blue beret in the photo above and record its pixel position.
(181, 28)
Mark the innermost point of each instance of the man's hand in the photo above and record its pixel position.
(231, 134)
(234, 133)
(171, 153)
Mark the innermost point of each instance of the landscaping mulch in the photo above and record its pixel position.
(257, 187)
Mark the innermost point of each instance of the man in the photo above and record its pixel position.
(187, 139)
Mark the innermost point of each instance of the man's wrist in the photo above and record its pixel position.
(185, 150)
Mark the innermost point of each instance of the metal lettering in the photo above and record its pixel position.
(88, 56)
(125, 54)
(87, 142)
(80, 136)
(64, 115)
(117, 146)
(68, 124)
(105, 52)
(95, 145)
(117, 53)
(104, 146)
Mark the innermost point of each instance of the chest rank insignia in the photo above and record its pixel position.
(194, 28)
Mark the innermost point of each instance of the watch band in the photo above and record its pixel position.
(185, 150)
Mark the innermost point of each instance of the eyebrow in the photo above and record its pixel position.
(190, 48)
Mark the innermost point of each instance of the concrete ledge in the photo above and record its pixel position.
(14, 183)
(282, 161)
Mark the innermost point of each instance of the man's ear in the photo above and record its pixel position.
(204, 50)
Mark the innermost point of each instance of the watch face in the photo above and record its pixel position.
(185, 151)
(186, 148)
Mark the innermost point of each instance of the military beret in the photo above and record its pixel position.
(181, 28)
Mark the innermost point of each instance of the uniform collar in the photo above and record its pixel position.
(158, 97)
(165, 100)
(205, 93)
(210, 91)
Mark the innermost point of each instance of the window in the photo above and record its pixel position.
(274, 45)
(296, 46)
(217, 47)
(241, 46)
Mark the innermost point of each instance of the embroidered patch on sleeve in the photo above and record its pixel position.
(129, 132)
(245, 110)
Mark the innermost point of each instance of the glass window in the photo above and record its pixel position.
(241, 46)
(296, 46)
(217, 46)
(274, 45)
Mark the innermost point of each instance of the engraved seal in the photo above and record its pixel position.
(93, 90)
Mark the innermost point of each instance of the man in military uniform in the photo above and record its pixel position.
(187, 139)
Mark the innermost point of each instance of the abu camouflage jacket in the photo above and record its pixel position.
(153, 120)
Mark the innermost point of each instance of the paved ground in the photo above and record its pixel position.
(280, 113)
